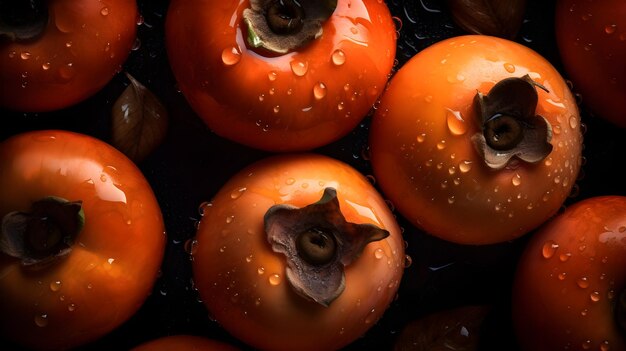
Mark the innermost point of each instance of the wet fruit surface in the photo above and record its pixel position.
(569, 280)
(192, 163)
(424, 151)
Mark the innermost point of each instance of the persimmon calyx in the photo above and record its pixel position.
(281, 26)
(22, 20)
(318, 243)
(44, 234)
(508, 124)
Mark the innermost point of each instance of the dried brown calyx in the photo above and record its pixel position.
(22, 20)
(489, 17)
(318, 243)
(508, 124)
(44, 234)
(281, 26)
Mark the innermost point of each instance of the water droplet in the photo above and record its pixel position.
(573, 122)
(451, 199)
(456, 123)
(41, 320)
(465, 166)
(586, 344)
(549, 248)
(319, 91)
(249, 258)
(136, 44)
(338, 57)
(55, 286)
(25, 55)
(45, 66)
(274, 279)
(67, 72)
(583, 282)
(299, 68)
(408, 261)
(565, 256)
(594, 296)
(340, 106)
(276, 109)
(610, 294)
(191, 246)
(610, 29)
(71, 307)
(379, 253)
(441, 145)
(260, 270)
(231, 56)
(562, 276)
(516, 180)
(604, 346)
(237, 193)
(509, 67)
(204, 206)
(370, 317)
(104, 11)
(420, 138)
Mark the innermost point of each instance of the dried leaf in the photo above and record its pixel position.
(489, 17)
(139, 121)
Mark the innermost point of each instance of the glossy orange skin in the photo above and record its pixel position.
(184, 342)
(259, 101)
(426, 164)
(242, 280)
(115, 258)
(591, 37)
(569, 279)
(82, 47)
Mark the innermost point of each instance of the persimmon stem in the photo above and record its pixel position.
(285, 16)
(276, 27)
(318, 243)
(45, 233)
(22, 20)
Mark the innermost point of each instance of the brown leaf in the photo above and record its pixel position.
(489, 17)
(139, 121)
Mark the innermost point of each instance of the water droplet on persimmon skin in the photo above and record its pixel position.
(274, 279)
(610, 28)
(319, 91)
(299, 68)
(41, 320)
(583, 282)
(231, 56)
(338, 57)
(455, 122)
(509, 67)
(549, 248)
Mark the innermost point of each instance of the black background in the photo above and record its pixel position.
(192, 163)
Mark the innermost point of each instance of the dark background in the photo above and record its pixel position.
(192, 163)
